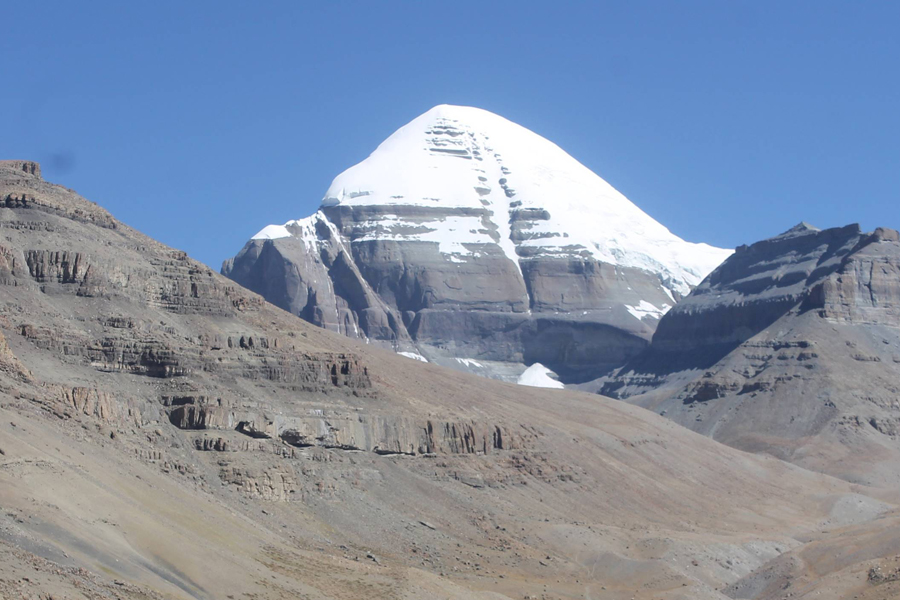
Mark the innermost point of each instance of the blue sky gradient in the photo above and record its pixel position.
(201, 122)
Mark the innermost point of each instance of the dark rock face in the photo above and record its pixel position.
(790, 347)
(570, 314)
(755, 287)
(866, 287)
(25, 166)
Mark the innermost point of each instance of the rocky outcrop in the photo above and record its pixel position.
(62, 267)
(10, 363)
(106, 406)
(327, 428)
(199, 412)
(27, 167)
(866, 287)
(248, 357)
(391, 435)
(150, 357)
(278, 484)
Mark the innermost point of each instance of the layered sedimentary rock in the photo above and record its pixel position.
(165, 433)
(473, 242)
(790, 347)
(186, 346)
(345, 430)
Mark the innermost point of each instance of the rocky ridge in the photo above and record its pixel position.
(790, 347)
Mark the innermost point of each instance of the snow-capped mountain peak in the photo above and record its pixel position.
(540, 200)
(475, 243)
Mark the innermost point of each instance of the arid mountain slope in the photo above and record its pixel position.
(168, 434)
(860, 561)
(791, 347)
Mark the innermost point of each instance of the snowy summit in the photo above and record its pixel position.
(474, 243)
(469, 158)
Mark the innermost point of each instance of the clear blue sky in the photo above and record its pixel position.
(199, 123)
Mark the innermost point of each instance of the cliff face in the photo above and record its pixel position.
(866, 287)
(576, 314)
(465, 237)
(755, 287)
(791, 347)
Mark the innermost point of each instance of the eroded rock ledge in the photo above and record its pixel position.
(345, 430)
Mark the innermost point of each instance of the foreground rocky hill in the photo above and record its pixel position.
(792, 348)
(165, 433)
(469, 241)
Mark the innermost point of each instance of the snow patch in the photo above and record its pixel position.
(468, 362)
(272, 232)
(302, 229)
(414, 356)
(451, 233)
(646, 309)
(537, 375)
